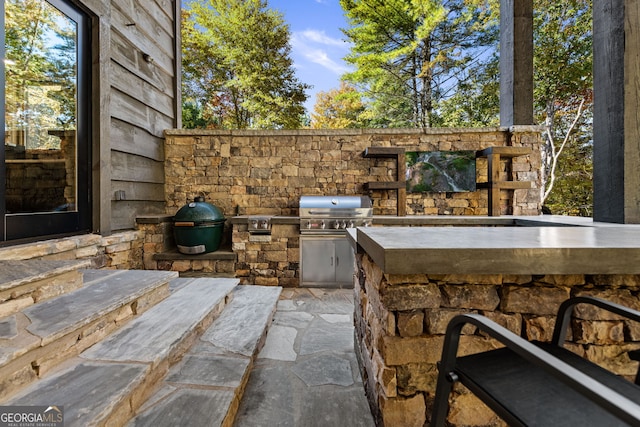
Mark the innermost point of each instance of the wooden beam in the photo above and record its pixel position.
(507, 185)
(399, 185)
(382, 152)
(516, 62)
(616, 123)
(402, 191)
(504, 151)
(384, 185)
(493, 165)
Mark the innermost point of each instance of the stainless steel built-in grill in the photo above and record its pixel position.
(333, 214)
(326, 256)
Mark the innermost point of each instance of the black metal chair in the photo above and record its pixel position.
(534, 383)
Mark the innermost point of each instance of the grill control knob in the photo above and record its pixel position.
(350, 224)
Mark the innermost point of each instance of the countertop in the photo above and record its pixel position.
(543, 246)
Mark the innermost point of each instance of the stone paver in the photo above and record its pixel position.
(280, 344)
(151, 337)
(200, 405)
(94, 388)
(307, 373)
(238, 330)
(15, 273)
(106, 382)
(204, 388)
(8, 328)
(325, 370)
(55, 317)
(196, 369)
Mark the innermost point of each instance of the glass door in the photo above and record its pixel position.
(46, 119)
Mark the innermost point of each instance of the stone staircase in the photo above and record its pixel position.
(128, 347)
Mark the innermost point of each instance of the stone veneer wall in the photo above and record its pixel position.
(268, 260)
(401, 320)
(266, 172)
(118, 251)
(159, 241)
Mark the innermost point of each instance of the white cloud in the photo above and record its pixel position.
(322, 38)
(320, 57)
(318, 48)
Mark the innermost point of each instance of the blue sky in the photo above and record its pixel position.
(317, 43)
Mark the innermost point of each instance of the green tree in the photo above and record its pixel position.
(563, 101)
(41, 79)
(476, 101)
(409, 54)
(338, 109)
(237, 68)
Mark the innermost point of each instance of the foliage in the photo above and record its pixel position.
(409, 54)
(237, 68)
(338, 109)
(573, 191)
(564, 101)
(476, 101)
(40, 71)
(192, 116)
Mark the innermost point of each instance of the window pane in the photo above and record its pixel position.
(40, 108)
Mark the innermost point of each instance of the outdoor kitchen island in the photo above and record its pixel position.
(410, 281)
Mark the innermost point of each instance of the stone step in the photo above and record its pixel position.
(107, 382)
(206, 387)
(41, 336)
(25, 283)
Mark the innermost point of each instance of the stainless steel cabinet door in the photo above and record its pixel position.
(345, 261)
(317, 261)
(326, 261)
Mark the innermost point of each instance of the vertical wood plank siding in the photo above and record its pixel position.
(143, 99)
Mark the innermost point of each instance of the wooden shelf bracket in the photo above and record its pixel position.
(399, 185)
(496, 182)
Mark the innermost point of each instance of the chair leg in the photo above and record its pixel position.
(635, 355)
(441, 401)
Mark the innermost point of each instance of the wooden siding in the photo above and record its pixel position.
(143, 104)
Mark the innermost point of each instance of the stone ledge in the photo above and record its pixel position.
(275, 219)
(154, 219)
(342, 132)
(224, 254)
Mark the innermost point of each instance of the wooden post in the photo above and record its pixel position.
(496, 181)
(516, 62)
(493, 172)
(399, 185)
(616, 124)
(402, 191)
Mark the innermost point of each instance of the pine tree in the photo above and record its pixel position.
(409, 54)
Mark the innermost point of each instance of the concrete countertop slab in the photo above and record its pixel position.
(503, 250)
